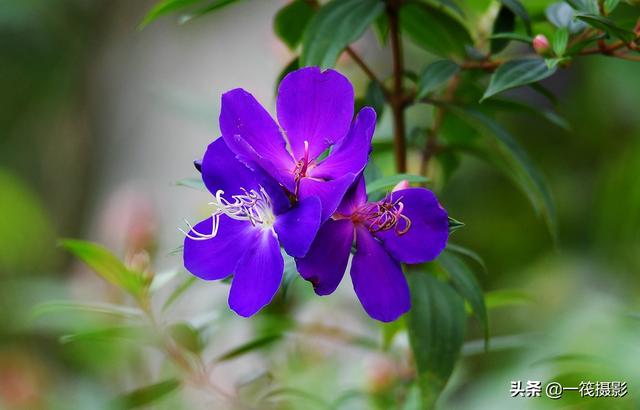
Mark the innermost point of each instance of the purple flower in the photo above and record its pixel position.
(315, 111)
(251, 218)
(409, 226)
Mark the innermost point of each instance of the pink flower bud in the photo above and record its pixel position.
(404, 184)
(540, 44)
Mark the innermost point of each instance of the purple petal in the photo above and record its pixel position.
(257, 276)
(330, 193)
(216, 258)
(355, 197)
(221, 170)
(378, 279)
(352, 153)
(297, 227)
(314, 106)
(254, 136)
(427, 236)
(327, 259)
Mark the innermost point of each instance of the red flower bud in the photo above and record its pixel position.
(540, 44)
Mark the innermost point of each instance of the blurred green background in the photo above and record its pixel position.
(98, 120)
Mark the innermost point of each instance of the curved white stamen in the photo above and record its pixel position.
(252, 206)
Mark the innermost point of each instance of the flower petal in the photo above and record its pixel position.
(216, 258)
(378, 279)
(330, 193)
(257, 276)
(352, 153)
(427, 236)
(327, 259)
(221, 170)
(314, 106)
(254, 136)
(354, 198)
(297, 227)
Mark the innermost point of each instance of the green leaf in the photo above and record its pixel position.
(507, 297)
(505, 23)
(434, 30)
(291, 21)
(146, 395)
(434, 75)
(553, 117)
(608, 26)
(186, 336)
(515, 164)
(104, 263)
(375, 98)
(188, 281)
(102, 308)
(389, 332)
(519, 10)
(454, 224)
(513, 36)
(292, 66)
(166, 7)
(213, 6)
(436, 325)
(516, 73)
(336, 25)
(560, 40)
(109, 334)
(467, 285)
(461, 250)
(195, 183)
(385, 183)
(249, 347)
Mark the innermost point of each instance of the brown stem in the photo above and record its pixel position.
(397, 100)
(360, 62)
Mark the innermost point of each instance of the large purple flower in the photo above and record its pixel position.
(315, 111)
(408, 225)
(251, 217)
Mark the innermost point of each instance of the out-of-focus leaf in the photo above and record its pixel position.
(520, 11)
(585, 6)
(505, 23)
(336, 25)
(250, 346)
(467, 285)
(517, 164)
(519, 106)
(545, 92)
(516, 73)
(381, 28)
(610, 5)
(499, 343)
(375, 98)
(146, 395)
(309, 398)
(291, 20)
(186, 336)
(436, 325)
(391, 181)
(523, 38)
(413, 401)
(166, 7)
(188, 281)
(507, 297)
(561, 14)
(608, 26)
(195, 183)
(104, 263)
(211, 7)
(389, 332)
(290, 274)
(451, 4)
(109, 334)
(434, 30)
(461, 250)
(434, 75)
(161, 279)
(103, 308)
(560, 40)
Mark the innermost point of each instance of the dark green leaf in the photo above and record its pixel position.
(516, 73)
(505, 23)
(391, 181)
(186, 336)
(434, 75)
(188, 281)
(436, 325)
(434, 30)
(146, 395)
(103, 308)
(292, 66)
(212, 6)
(334, 27)
(104, 263)
(166, 7)
(453, 6)
(291, 21)
(608, 26)
(467, 285)
(375, 98)
(517, 7)
(381, 28)
(454, 225)
(461, 250)
(513, 36)
(195, 183)
(249, 347)
(519, 106)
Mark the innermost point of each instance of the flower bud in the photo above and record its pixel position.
(540, 44)
(404, 184)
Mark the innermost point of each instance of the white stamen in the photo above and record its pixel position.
(253, 206)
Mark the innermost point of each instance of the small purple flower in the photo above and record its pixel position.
(408, 225)
(251, 218)
(315, 112)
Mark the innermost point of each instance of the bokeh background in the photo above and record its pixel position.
(98, 120)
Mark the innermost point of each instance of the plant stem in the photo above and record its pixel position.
(397, 100)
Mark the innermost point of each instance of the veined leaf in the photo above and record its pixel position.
(290, 22)
(516, 73)
(436, 325)
(434, 75)
(146, 395)
(104, 263)
(434, 30)
(608, 26)
(467, 285)
(336, 25)
(391, 181)
(102, 308)
(249, 347)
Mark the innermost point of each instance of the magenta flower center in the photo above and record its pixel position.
(382, 216)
